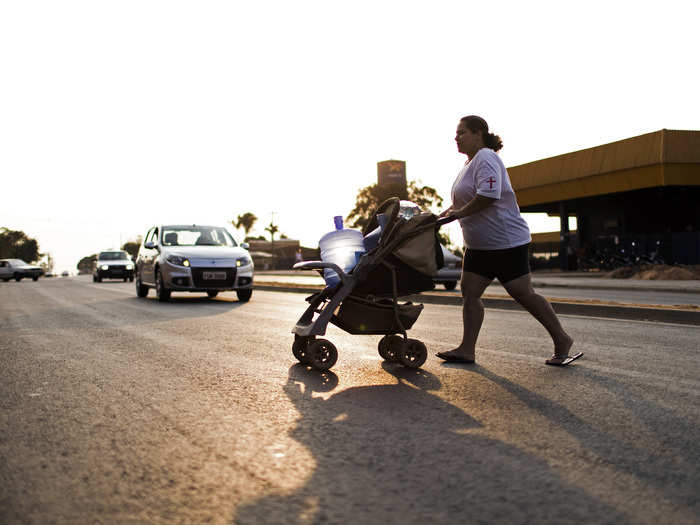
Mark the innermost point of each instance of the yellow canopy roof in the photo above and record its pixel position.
(663, 158)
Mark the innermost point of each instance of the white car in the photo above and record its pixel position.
(449, 274)
(193, 258)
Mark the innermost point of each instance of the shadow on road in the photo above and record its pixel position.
(399, 453)
(670, 466)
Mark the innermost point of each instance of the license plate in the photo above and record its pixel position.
(214, 276)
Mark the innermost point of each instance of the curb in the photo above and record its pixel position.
(610, 311)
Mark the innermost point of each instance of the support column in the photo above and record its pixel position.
(563, 237)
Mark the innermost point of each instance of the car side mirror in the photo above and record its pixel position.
(245, 245)
(149, 245)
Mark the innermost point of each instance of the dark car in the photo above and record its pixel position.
(115, 264)
(17, 269)
(450, 274)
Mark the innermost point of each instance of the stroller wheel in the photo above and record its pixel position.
(300, 348)
(389, 346)
(413, 354)
(321, 354)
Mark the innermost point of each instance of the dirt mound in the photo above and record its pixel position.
(661, 272)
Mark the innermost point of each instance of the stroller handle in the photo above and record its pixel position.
(445, 220)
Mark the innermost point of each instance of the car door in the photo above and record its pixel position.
(147, 255)
(4, 270)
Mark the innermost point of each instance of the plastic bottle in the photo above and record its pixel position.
(343, 247)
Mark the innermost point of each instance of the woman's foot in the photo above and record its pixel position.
(456, 356)
(562, 346)
(561, 351)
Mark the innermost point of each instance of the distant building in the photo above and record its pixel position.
(391, 172)
(280, 254)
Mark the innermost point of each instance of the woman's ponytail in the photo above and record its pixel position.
(493, 141)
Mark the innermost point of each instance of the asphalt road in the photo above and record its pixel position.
(115, 409)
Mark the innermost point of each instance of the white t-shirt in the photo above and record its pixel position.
(499, 226)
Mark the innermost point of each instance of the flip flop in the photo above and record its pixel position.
(453, 358)
(562, 360)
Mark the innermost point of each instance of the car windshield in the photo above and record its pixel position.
(18, 262)
(196, 236)
(113, 256)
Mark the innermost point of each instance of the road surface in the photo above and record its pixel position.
(115, 409)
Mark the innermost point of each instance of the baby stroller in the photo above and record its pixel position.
(366, 300)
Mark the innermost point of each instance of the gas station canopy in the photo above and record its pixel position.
(662, 158)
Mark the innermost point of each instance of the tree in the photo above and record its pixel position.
(370, 197)
(132, 247)
(245, 221)
(272, 229)
(86, 264)
(16, 244)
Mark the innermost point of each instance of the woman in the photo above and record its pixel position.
(496, 238)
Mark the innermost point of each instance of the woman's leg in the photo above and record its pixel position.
(473, 286)
(521, 290)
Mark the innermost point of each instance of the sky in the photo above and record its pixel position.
(115, 116)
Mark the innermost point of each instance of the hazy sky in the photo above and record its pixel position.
(118, 115)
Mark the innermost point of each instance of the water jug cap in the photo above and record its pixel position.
(338, 219)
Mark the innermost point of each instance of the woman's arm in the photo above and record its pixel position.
(477, 204)
(446, 212)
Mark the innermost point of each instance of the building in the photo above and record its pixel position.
(643, 190)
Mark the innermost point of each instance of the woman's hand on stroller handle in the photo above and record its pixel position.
(445, 219)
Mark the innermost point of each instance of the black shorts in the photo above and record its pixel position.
(505, 265)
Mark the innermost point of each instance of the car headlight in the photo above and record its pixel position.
(178, 260)
(129, 266)
(104, 267)
(243, 261)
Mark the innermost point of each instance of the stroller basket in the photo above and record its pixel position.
(362, 316)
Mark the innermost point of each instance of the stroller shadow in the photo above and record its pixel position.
(399, 453)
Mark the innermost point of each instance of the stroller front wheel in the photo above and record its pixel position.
(300, 348)
(389, 347)
(413, 354)
(321, 354)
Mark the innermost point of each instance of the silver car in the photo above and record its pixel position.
(193, 258)
(17, 269)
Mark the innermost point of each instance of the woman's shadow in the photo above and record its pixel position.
(399, 452)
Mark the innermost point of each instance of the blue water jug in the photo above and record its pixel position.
(343, 247)
(372, 238)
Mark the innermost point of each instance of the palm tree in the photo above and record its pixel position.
(272, 229)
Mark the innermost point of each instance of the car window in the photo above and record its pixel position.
(196, 236)
(112, 256)
(3, 264)
(151, 236)
(17, 262)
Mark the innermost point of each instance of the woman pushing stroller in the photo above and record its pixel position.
(496, 238)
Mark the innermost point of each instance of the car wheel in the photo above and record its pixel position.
(94, 279)
(212, 294)
(162, 293)
(99, 279)
(244, 295)
(18, 277)
(450, 285)
(35, 277)
(141, 290)
(131, 279)
(6, 279)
